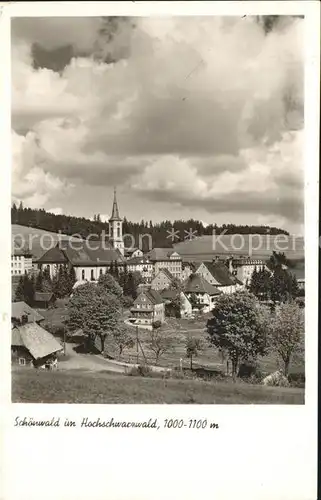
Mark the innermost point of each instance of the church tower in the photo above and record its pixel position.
(116, 227)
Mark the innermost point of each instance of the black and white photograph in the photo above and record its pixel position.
(157, 210)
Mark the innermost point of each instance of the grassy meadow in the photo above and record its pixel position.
(31, 386)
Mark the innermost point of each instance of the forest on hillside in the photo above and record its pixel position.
(71, 225)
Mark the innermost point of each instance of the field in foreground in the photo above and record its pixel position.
(30, 386)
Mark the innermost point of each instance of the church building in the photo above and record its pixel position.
(90, 259)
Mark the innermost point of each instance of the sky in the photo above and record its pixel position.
(189, 117)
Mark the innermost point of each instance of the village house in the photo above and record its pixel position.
(163, 279)
(244, 267)
(141, 264)
(31, 344)
(43, 300)
(206, 294)
(165, 258)
(188, 268)
(133, 252)
(148, 308)
(21, 312)
(171, 296)
(21, 262)
(218, 274)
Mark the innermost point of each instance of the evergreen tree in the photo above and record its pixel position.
(19, 294)
(46, 280)
(116, 275)
(72, 278)
(281, 284)
(253, 286)
(123, 279)
(55, 286)
(111, 269)
(62, 284)
(39, 279)
(28, 289)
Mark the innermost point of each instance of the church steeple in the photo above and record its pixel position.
(115, 211)
(116, 227)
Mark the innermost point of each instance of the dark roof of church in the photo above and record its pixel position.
(82, 253)
(53, 256)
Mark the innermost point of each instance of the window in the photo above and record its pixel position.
(83, 274)
(100, 272)
(118, 232)
(22, 361)
(92, 275)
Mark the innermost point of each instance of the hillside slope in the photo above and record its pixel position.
(257, 245)
(37, 240)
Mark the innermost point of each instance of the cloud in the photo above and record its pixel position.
(53, 32)
(271, 183)
(200, 112)
(30, 182)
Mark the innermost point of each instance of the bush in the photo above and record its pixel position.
(140, 371)
(297, 380)
(276, 379)
(127, 301)
(249, 370)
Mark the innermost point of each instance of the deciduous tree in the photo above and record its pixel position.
(193, 347)
(286, 332)
(160, 342)
(123, 338)
(94, 311)
(110, 285)
(238, 327)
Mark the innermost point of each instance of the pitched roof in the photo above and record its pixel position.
(170, 294)
(130, 251)
(167, 273)
(53, 256)
(36, 339)
(152, 295)
(19, 309)
(220, 273)
(197, 284)
(43, 296)
(85, 253)
(138, 260)
(158, 254)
